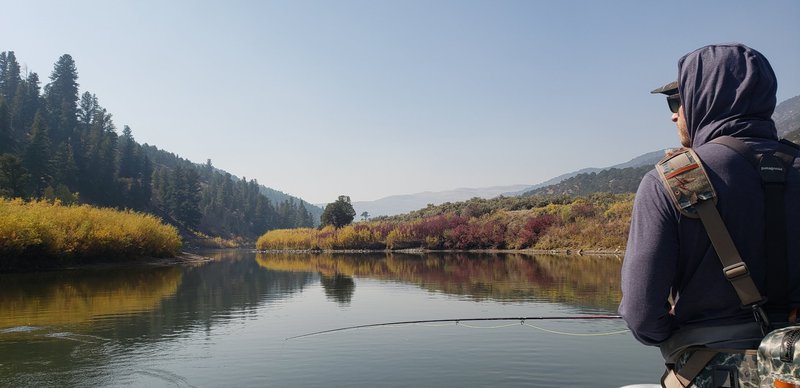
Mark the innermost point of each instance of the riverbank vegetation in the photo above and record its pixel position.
(43, 234)
(594, 222)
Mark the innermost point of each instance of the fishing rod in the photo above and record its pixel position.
(457, 320)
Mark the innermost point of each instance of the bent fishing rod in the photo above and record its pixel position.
(457, 320)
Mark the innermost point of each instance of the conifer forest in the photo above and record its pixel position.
(59, 144)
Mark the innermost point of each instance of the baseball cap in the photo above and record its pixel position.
(668, 89)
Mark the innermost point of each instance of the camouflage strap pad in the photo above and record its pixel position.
(686, 180)
(727, 368)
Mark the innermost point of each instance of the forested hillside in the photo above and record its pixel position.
(58, 143)
(613, 180)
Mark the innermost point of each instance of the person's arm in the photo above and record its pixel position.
(650, 263)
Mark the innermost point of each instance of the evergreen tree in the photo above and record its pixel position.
(61, 95)
(9, 75)
(37, 156)
(184, 196)
(13, 177)
(304, 218)
(27, 102)
(99, 165)
(127, 157)
(65, 171)
(86, 110)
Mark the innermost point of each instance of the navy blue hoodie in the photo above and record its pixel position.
(725, 90)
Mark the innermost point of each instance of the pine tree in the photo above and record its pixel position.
(37, 156)
(86, 111)
(14, 178)
(65, 170)
(98, 163)
(61, 95)
(127, 157)
(183, 196)
(9, 75)
(27, 102)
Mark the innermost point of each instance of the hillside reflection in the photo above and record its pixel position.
(582, 281)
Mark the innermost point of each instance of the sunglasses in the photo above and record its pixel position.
(674, 102)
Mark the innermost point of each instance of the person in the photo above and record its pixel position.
(674, 292)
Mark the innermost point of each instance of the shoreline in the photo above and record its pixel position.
(193, 259)
(563, 251)
(184, 258)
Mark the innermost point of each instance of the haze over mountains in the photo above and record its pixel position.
(399, 204)
(787, 121)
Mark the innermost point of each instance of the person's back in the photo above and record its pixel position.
(725, 90)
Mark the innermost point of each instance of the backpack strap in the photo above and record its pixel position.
(773, 168)
(691, 191)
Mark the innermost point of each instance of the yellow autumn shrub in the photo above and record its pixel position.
(45, 230)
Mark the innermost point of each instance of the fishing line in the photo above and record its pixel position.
(577, 334)
(458, 321)
(468, 326)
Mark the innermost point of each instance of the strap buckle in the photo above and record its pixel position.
(736, 270)
(761, 317)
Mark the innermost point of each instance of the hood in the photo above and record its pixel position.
(727, 90)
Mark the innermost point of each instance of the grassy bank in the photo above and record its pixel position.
(40, 234)
(596, 222)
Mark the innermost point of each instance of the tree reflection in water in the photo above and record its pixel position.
(338, 287)
(586, 281)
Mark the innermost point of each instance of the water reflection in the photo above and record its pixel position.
(66, 327)
(75, 297)
(586, 281)
(338, 287)
(175, 325)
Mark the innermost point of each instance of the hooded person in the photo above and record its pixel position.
(674, 292)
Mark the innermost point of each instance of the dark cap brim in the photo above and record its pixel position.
(668, 89)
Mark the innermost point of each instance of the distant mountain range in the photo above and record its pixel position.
(624, 178)
(399, 204)
(787, 116)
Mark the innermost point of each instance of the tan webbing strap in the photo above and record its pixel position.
(734, 268)
(691, 191)
(683, 378)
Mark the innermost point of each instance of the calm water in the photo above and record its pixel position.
(225, 323)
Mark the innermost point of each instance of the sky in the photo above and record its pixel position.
(375, 98)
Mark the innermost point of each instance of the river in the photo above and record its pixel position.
(225, 322)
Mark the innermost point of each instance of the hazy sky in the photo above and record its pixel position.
(375, 98)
